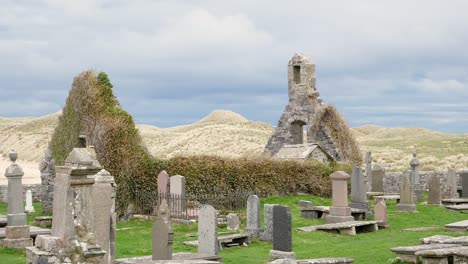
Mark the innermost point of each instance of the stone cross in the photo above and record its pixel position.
(267, 234)
(381, 213)
(358, 190)
(253, 216)
(233, 222)
(177, 189)
(369, 176)
(340, 211)
(378, 175)
(29, 208)
(434, 190)
(17, 232)
(282, 232)
(406, 194)
(452, 182)
(464, 179)
(163, 236)
(414, 163)
(207, 230)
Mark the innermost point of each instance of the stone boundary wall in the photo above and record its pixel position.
(35, 189)
(392, 180)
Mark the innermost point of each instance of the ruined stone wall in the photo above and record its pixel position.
(47, 168)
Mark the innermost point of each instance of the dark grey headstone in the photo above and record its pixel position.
(282, 237)
(464, 178)
(434, 190)
(378, 174)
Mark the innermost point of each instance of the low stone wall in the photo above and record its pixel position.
(392, 181)
(35, 189)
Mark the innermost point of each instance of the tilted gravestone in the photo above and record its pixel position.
(282, 233)
(339, 211)
(381, 213)
(253, 216)
(207, 230)
(267, 234)
(378, 175)
(358, 190)
(406, 194)
(233, 222)
(434, 190)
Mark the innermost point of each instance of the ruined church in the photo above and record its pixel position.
(308, 127)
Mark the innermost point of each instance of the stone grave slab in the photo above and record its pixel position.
(323, 211)
(226, 241)
(460, 226)
(370, 195)
(421, 229)
(454, 201)
(440, 239)
(345, 228)
(408, 253)
(181, 257)
(326, 261)
(388, 197)
(457, 207)
(439, 256)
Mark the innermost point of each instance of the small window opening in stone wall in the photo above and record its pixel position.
(297, 132)
(297, 74)
(305, 128)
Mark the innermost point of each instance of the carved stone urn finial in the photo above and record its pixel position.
(13, 155)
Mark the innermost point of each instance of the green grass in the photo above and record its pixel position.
(134, 237)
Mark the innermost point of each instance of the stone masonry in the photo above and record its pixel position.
(304, 100)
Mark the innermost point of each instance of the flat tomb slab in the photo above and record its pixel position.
(33, 230)
(461, 226)
(440, 239)
(371, 195)
(388, 197)
(454, 201)
(226, 241)
(326, 261)
(181, 257)
(457, 207)
(408, 253)
(440, 252)
(344, 228)
(322, 211)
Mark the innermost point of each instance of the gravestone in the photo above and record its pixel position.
(267, 234)
(340, 211)
(178, 202)
(207, 230)
(163, 236)
(282, 233)
(414, 163)
(233, 222)
(369, 172)
(452, 182)
(381, 213)
(434, 190)
(253, 216)
(406, 194)
(464, 179)
(358, 190)
(378, 175)
(163, 184)
(17, 233)
(29, 208)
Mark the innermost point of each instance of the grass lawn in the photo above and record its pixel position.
(134, 237)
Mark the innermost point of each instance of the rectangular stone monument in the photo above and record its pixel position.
(253, 216)
(358, 190)
(177, 189)
(282, 233)
(464, 179)
(406, 194)
(340, 211)
(378, 175)
(381, 213)
(162, 239)
(233, 222)
(267, 234)
(434, 190)
(163, 183)
(452, 182)
(207, 230)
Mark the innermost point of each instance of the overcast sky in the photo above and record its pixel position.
(390, 63)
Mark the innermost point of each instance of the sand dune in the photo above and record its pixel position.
(228, 134)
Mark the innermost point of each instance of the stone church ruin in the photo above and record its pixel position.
(324, 126)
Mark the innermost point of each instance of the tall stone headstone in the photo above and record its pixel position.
(282, 233)
(406, 194)
(207, 230)
(359, 190)
(464, 180)
(178, 202)
(452, 182)
(415, 181)
(162, 234)
(29, 208)
(339, 211)
(17, 231)
(253, 216)
(369, 175)
(163, 183)
(434, 190)
(267, 234)
(378, 175)
(381, 213)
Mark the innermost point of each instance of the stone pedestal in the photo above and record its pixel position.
(340, 211)
(17, 237)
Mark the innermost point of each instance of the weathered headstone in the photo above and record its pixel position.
(340, 211)
(253, 216)
(207, 230)
(267, 234)
(381, 213)
(406, 194)
(163, 183)
(29, 208)
(414, 163)
(434, 190)
(17, 231)
(378, 175)
(369, 173)
(282, 236)
(464, 180)
(233, 222)
(178, 203)
(358, 190)
(162, 234)
(452, 182)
